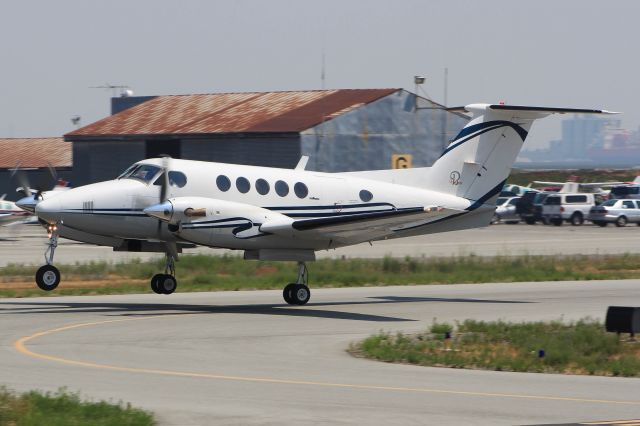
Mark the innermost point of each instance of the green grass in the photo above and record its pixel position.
(583, 347)
(216, 273)
(66, 409)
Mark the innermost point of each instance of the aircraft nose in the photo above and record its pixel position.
(49, 210)
(27, 203)
(162, 211)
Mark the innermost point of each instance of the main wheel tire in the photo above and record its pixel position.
(155, 280)
(167, 284)
(300, 294)
(48, 277)
(556, 222)
(287, 293)
(577, 219)
(530, 221)
(600, 223)
(621, 221)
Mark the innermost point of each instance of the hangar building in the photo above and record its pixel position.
(340, 130)
(34, 155)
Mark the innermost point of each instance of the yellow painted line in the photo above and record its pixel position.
(21, 347)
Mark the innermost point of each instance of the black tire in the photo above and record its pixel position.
(300, 294)
(287, 293)
(47, 277)
(530, 221)
(154, 283)
(556, 222)
(621, 221)
(601, 223)
(577, 219)
(167, 284)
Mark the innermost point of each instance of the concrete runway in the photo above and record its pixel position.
(26, 244)
(244, 358)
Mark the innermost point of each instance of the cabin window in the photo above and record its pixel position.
(223, 183)
(282, 189)
(243, 185)
(178, 179)
(301, 190)
(365, 195)
(262, 186)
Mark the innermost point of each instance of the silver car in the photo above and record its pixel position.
(619, 212)
(506, 210)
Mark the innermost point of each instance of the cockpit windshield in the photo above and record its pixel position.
(143, 172)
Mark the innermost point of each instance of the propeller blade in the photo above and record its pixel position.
(164, 184)
(20, 176)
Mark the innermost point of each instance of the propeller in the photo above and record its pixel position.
(44, 183)
(164, 184)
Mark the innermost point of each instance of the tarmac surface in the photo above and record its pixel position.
(26, 244)
(246, 358)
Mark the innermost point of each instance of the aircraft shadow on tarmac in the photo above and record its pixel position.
(147, 309)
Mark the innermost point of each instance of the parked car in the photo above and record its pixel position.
(529, 207)
(619, 212)
(506, 210)
(620, 192)
(572, 208)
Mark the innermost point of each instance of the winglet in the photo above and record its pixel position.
(302, 163)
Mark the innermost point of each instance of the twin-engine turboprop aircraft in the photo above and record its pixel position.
(166, 204)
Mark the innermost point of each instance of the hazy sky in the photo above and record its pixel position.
(575, 53)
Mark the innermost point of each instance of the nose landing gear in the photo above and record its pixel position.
(48, 276)
(165, 283)
(298, 293)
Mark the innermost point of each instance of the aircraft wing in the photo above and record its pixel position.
(370, 225)
(541, 182)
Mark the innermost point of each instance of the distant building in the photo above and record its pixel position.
(34, 155)
(588, 141)
(340, 130)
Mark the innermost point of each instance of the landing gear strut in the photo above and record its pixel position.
(48, 276)
(298, 293)
(165, 283)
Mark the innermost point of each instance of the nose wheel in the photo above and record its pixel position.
(165, 283)
(298, 293)
(48, 276)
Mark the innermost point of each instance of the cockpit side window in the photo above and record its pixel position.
(143, 172)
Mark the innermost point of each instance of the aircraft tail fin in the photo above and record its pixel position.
(477, 162)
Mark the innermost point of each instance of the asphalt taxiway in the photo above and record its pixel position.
(245, 358)
(26, 244)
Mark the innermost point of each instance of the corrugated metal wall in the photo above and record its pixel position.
(367, 137)
(95, 161)
(269, 150)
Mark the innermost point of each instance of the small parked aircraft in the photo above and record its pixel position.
(166, 205)
(10, 212)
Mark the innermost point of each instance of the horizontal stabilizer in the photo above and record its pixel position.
(538, 109)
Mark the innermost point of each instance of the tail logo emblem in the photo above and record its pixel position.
(454, 178)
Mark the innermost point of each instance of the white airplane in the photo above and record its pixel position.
(10, 212)
(166, 204)
(574, 187)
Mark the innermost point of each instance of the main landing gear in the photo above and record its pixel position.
(165, 283)
(48, 276)
(298, 293)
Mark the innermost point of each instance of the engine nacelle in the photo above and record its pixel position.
(208, 215)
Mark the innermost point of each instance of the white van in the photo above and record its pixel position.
(573, 208)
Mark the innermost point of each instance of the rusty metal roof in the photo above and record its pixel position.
(279, 112)
(34, 152)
